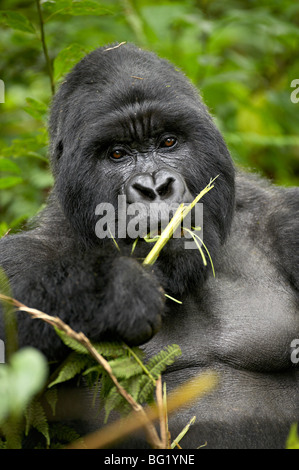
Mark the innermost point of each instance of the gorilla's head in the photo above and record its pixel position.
(126, 122)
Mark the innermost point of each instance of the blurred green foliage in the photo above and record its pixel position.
(242, 55)
(20, 381)
(293, 438)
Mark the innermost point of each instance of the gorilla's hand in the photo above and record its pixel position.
(134, 302)
(105, 296)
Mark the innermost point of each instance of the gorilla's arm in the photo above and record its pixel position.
(107, 296)
(272, 216)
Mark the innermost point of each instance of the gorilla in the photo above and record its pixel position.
(128, 124)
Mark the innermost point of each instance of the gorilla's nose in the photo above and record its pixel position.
(162, 185)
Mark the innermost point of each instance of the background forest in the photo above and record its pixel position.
(242, 55)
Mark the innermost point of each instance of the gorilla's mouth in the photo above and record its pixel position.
(146, 223)
(151, 223)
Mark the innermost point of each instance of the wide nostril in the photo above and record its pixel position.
(165, 189)
(163, 185)
(146, 192)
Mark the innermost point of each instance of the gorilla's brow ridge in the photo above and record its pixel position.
(137, 122)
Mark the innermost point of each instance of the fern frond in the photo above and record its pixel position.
(112, 349)
(3, 444)
(133, 387)
(62, 433)
(146, 389)
(106, 386)
(74, 364)
(93, 369)
(125, 367)
(35, 417)
(158, 363)
(114, 401)
(51, 397)
(70, 342)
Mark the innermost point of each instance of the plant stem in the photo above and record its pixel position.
(134, 21)
(162, 414)
(180, 397)
(80, 337)
(182, 433)
(179, 215)
(45, 49)
(147, 372)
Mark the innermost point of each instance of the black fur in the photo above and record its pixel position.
(241, 323)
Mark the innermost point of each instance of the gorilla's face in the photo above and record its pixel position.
(126, 123)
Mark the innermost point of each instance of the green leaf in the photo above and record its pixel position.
(133, 387)
(15, 224)
(10, 181)
(106, 386)
(146, 388)
(293, 438)
(3, 444)
(112, 402)
(28, 146)
(12, 429)
(36, 108)
(4, 393)
(74, 364)
(9, 165)
(52, 397)
(125, 367)
(63, 434)
(135, 351)
(70, 342)
(29, 368)
(3, 228)
(112, 349)
(21, 380)
(16, 21)
(67, 58)
(97, 369)
(36, 418)
(74, 8)
(158, 363)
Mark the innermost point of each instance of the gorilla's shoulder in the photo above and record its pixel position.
(270, 213)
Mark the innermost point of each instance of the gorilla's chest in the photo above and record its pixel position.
(246, 317)
(255, 324)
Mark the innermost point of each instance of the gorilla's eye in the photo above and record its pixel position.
(117, 154)
(168, 142)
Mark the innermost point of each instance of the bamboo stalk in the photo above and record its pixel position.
(169, 230)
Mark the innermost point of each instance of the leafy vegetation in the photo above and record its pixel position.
(293, 438)
(126, 382)
(242, 56)
(19, 382)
